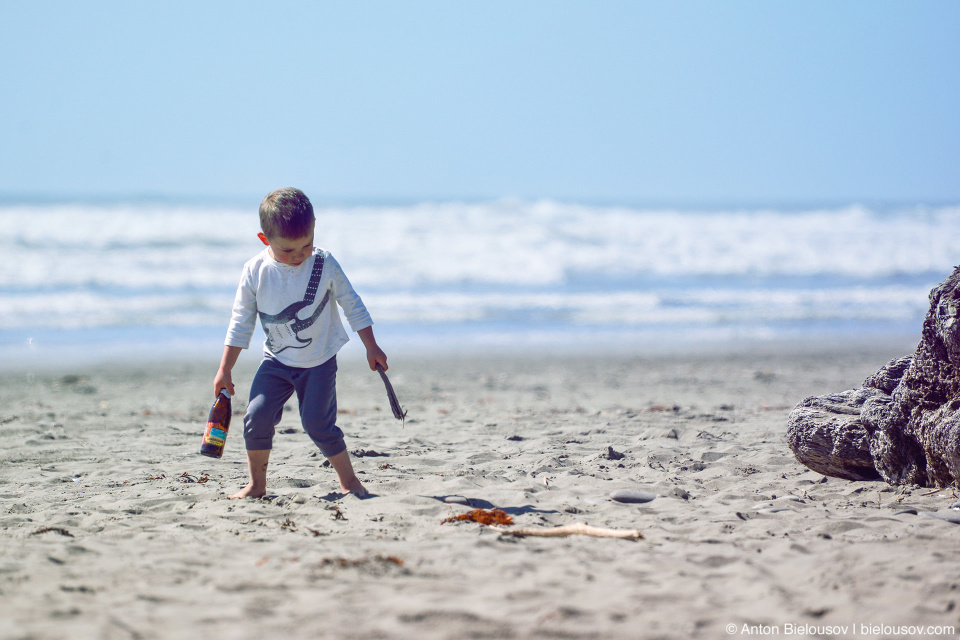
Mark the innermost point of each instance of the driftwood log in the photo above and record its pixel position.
(903, 424)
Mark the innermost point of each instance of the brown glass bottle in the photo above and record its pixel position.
(218, 424)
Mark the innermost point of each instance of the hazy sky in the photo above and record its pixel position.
(609, 101)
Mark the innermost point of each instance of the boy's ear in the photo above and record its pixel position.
(263, 238)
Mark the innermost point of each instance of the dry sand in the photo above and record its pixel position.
(115, 527)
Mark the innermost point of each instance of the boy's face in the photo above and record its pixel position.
(292, 251)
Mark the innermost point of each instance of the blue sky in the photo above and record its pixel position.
(607, 101)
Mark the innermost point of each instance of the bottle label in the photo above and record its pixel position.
(215, 435)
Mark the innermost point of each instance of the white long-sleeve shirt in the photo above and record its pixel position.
(298, 334)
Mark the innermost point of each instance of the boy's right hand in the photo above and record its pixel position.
(223, 381)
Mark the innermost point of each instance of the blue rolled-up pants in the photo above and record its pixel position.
(316, 390)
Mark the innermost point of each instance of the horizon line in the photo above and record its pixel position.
(8, 198)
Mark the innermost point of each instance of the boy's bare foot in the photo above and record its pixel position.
(257, 460)
(249, 491)
(349, 481)
(355, 487)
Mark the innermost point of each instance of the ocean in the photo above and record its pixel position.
(139, 281)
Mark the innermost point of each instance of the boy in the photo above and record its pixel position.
(292, 287)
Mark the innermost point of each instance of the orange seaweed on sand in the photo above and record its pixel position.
(483, 516)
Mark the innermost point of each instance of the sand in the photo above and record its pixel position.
(115, 527)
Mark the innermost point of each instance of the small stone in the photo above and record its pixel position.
(368, 453)
(631, 496)
(614, 455)
(943, 515)
(457, 500)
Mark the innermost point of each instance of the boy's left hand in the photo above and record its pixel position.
(375, 356)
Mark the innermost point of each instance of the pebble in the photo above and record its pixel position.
(943, 515)
(631, 496)
(955, 505)
(457, 500)
(785, 503)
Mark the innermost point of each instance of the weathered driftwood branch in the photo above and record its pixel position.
(574, 529)
(903, 424)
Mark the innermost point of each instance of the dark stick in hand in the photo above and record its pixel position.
(398, 411)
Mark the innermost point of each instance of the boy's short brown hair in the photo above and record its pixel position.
(286, 213)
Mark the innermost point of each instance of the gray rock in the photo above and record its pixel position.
(903, 424)
(631, 496)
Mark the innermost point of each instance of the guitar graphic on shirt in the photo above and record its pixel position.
(286, 325)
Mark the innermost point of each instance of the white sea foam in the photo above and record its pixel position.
(509, 264)
(550, 244)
